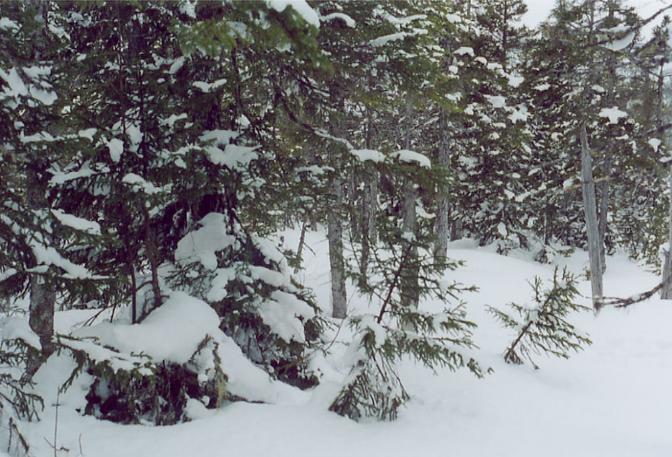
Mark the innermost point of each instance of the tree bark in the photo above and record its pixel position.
(336, 262)
(602, 190)
(368, 224)
(666, 290)
(590, 210)
(410, 291)
(442, 223)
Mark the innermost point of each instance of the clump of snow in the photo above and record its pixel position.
(654, 143)
(464, 51)
(349, 22)
(368, 154)
(300, 6)
(497, 101)
(208, 87)
(613, 114)
(139, 183)
(383, 40)
(16, 328)
(77, 223)
(8, 24)
(47, 255)
(171, 332)
(408, 156)
(202, 244)
(519, 113)
(116, 148)
(284, 313)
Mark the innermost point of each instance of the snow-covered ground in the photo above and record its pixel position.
(613, 399)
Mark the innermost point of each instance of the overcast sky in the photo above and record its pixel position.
(539, 9)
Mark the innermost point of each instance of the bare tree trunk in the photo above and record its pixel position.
(590, 209)
(368, 224)
(441, 223)
(409, 288)
(602, 189)
(666, 291)
(368, 214)
(336, 262)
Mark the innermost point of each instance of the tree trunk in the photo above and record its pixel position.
(590, 210)
(666, 291)
(42, 295)
(336, 262)
(410, 290)
(441, 223)
(368, 224)
(602, 189)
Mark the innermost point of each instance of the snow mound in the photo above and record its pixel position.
(170, 333)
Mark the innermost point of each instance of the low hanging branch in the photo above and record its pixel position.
(617, 302)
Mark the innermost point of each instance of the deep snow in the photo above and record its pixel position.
(613, 399)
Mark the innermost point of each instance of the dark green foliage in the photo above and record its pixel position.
(15, 388)
(544, 327)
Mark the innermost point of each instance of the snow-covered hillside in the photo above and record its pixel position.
(613, 399)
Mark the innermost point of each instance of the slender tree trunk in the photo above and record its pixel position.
(368, 215)
(336, 262)
(368, 224)
(666, 291)
(442, 223)
(302, 242)
(602, 190)
(152, 254)
(590, 210)
(409, 288)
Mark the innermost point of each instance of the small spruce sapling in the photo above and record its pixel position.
(544, 328)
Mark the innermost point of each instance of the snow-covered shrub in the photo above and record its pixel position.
(399, 328)
(149, 372)
(543, 328)
(246, 280)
